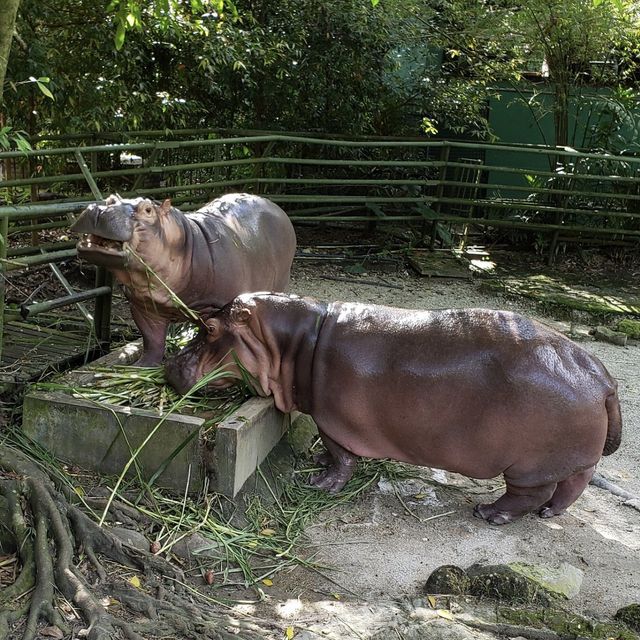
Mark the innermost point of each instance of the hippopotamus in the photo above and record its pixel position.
(176, 265)
(473, 391)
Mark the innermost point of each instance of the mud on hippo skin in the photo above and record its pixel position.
(234, 244)
(476, 391)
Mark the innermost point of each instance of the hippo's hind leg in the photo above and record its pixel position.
(340, 466)
(567, 492)
(514, 503)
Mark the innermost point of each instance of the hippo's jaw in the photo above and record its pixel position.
(101, 251)
(105, 231)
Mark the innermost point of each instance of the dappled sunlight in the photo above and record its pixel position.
(129, 353)
(556, 290)
(290, 608)
(244, 609)
(452, 263)
(618, 525)
(337, 619)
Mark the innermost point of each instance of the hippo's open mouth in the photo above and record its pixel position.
(102, 251)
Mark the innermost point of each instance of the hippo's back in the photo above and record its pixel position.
(248, 240)
(419, 384)
(251, 219)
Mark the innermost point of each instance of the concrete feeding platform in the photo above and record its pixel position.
(100, 437)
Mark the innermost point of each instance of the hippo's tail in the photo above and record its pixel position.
(614, 428)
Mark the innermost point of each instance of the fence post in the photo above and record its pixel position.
(102, 309)
(93, 157)
(4, 238)
(35, 238)
(444, 159)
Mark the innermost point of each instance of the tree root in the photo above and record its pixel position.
(51, 534)
(169, 613)
(513, 631)
(26, 579)
(630, 500)
(42, 597)
(123, 513)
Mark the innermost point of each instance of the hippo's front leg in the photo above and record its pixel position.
(154, 335)
(341, 465)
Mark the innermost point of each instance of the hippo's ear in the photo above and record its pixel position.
(214, 329)
(240, 315)
(165, 207)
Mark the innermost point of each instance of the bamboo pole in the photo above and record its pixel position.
(87, 175)
(47, 246)
(16, 230)
(75, 298)
(141, 172)
(489, 222)
(26, 212)
(4, 243)
(32, 261)
(405, 143)
(522, 204)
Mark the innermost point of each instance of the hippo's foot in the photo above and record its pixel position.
(549, 512)
(516, 501)
(332, 479)
(340, 464)
(492, 515)
(566, 493)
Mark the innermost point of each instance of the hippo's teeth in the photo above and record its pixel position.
(92, 241)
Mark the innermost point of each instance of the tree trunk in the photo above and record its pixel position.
(8, 12)
(561, 112)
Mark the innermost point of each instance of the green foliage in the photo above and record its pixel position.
(553, 42)
(342, 66)
(276, 64)
(9, 138)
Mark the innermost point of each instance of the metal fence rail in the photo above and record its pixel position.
(563, 194)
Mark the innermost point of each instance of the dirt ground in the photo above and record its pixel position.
(378, 552)
(382, 550)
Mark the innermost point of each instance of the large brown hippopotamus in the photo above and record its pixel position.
(474, 391)
(234, 244)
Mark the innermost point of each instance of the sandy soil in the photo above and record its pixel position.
(382, 553)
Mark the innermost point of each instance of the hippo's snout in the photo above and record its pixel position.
(112, 222)
(179, 372)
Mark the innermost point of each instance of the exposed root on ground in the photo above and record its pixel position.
(630, 500)
(62, 551)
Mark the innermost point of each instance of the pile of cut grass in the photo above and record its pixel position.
(147, 388)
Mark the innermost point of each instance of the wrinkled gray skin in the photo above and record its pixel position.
(475, 391)
(234, 244)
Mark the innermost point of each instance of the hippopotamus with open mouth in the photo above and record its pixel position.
(234, 244)
(474, 391)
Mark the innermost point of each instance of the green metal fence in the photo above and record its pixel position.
(431, 183)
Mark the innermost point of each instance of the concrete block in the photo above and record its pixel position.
(101, 437)
(243, 441)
